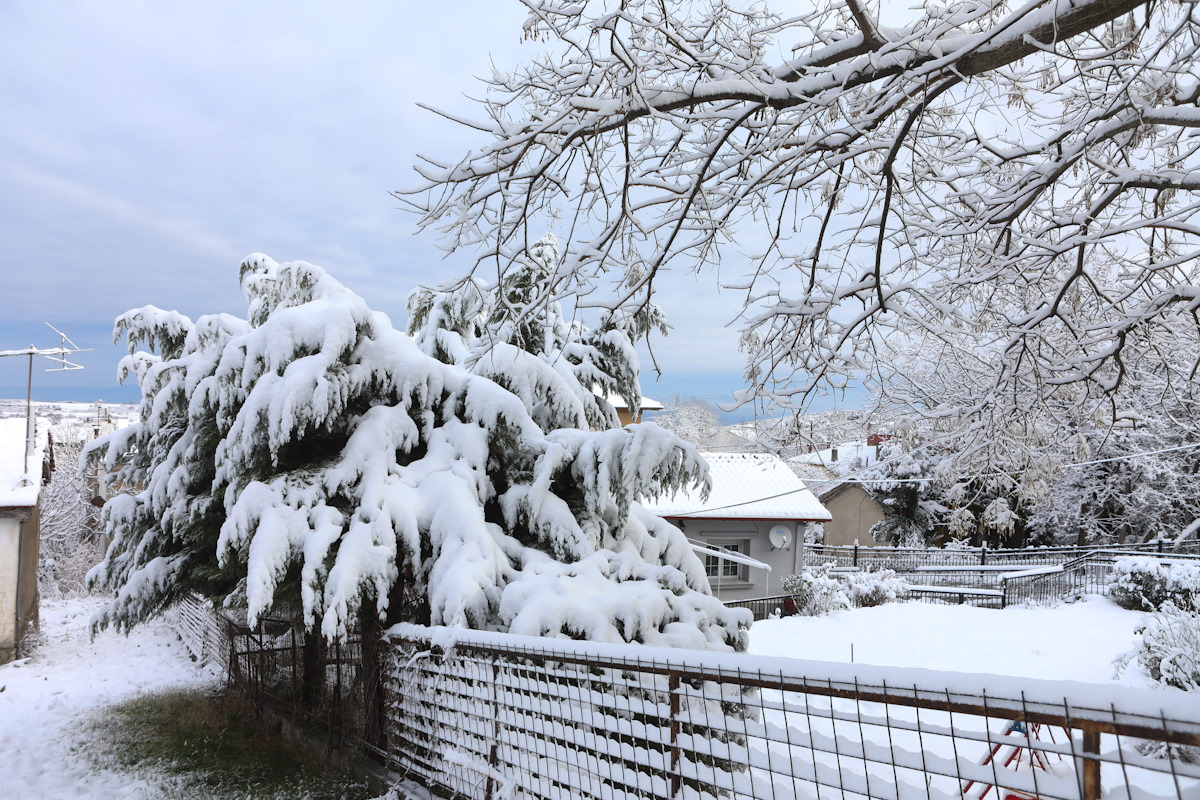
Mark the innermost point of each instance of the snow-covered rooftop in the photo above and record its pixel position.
(845, 451)
(745, 486)
(17, 489)
(618, 402)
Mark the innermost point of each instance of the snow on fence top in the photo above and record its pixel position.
(19, 489)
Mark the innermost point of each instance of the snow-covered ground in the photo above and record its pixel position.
(47, 700)
(1069, 642)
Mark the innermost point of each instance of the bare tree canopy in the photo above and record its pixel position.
(1011, 189)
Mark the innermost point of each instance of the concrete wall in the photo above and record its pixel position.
(854, 512)
(751, 582)
(18, 579)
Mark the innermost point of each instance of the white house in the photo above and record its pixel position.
(754, 519)
(22, 474)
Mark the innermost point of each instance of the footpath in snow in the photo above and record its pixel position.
(47, 700)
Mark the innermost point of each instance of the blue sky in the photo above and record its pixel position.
(148, 147)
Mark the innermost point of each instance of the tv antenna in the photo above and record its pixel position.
(56, 354)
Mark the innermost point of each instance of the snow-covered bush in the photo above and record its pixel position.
(1148, 584)
(1170, 648)
(313, 456)
(868, 589)
(815, 592)
(70, 544)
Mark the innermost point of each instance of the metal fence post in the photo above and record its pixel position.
(855, 554)
(494, 751)
(673, 688)
(1089, 768)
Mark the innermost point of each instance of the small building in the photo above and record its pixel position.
(625, 415)
(755, 518)
(22, 474)
(855, 512)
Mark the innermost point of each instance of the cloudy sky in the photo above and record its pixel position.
(147, 147)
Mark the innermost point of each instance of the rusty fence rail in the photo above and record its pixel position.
(494, 715)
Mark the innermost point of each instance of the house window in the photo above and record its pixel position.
(718, 568)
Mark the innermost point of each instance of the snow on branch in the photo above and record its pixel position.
(1004, 186)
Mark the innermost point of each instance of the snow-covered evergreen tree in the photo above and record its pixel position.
(313, 456)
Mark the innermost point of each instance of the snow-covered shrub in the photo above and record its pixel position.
(1148, 584)
(314, 457)
(1170, 648)
(868, 589)
(815, 592)
(69, 542)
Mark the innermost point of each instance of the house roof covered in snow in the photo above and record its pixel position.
(745, 486)
(845, 451)
(618, 402)
(17, 488)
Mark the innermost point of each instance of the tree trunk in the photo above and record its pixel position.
(312, 676)
(371, 676)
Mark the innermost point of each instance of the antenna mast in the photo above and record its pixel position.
(57, 354)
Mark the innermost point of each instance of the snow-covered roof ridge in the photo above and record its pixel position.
(19, 488)
(745, 486)
(645, 403)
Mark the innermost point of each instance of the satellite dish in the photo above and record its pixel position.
(780, 537)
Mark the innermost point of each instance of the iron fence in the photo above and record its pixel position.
(323, 686)
(904, 560)
(493, 715)
(1090, 573)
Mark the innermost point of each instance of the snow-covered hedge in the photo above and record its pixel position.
(815, 592)
(1148, 584)
(867, 589)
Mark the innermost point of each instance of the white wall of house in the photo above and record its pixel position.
(730, 580)
(10, 547)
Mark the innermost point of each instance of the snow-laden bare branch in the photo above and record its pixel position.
(1020, 176)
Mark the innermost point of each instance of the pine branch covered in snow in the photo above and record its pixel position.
(516, 334)
(312, 456)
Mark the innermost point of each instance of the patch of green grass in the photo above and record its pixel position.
(195, 745)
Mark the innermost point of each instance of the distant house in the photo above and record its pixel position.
(625, 415)
(852, 507)
(755, 517)
(22, 475)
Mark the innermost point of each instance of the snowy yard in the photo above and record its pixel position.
(47, 700)
(1069, 642)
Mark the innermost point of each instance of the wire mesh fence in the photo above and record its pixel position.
(491, 715)
(202, 630)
